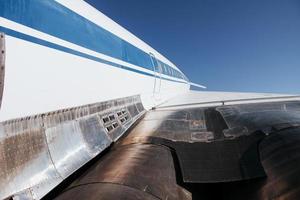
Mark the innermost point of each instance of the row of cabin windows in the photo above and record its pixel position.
(168, 70)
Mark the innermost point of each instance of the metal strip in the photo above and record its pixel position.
(225, 102)
(2, 65)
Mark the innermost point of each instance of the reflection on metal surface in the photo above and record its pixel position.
(148, 170)
(210, 99)
(38, 152)
(225, 148)
(185, 125)
(2, 64)
(280, 157)
(248, 151)
(205, 154)
(265, 117)
(202, 136)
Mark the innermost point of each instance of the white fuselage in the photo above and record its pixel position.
(52, 67)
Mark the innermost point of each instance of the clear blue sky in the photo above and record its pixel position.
(227, 45)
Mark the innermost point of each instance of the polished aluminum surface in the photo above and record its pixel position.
(224, 152)
(247, 118)
(136, 171)
(39, 152)
(198, 99)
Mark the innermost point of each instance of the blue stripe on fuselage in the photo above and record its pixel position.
(54, 19)
(74, 52)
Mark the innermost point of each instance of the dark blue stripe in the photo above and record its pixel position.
(71, 51)
(54, 19)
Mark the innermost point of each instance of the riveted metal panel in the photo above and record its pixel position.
(24, 158)
(67, 147)
(133, 110)
(38, 152)
(94, 135)
(246, 118)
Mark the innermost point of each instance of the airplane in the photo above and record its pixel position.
(90, 111)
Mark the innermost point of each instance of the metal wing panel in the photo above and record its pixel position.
(39, 152)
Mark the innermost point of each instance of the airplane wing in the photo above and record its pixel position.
(90, 111)
(203, 145)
